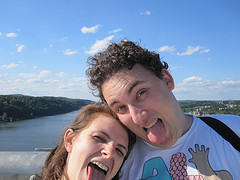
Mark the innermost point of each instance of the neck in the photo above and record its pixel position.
(188, 123)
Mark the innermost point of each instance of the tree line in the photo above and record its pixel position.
(14, 108)
(211, 107)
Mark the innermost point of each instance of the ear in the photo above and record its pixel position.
(168, 79)
(68, 140)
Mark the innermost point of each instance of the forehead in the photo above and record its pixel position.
(125, 80)
(107, 123)
(127, 76)
(135, 71)
(101, 117)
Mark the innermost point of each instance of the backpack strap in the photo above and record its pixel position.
(223, 130)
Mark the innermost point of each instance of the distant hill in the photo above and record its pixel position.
(16, 95)
(17, 107)
(200, 108)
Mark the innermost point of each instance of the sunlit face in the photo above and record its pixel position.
(146, 105)
(98, 151)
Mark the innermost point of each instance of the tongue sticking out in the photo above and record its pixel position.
(95, 173)
(156, 134)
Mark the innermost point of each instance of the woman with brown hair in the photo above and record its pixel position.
(94, 146)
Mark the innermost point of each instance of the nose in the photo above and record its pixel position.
(108, 151)
(138, 115)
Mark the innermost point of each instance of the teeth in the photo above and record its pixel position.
(153, 123)
(100, 165)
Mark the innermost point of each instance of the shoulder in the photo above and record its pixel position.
(232, 121)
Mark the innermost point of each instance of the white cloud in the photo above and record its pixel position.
(20, 47)
(78, 79)
(198, 88)
(11, 35)
(18, 80)
(175, 67)
(69, 52)
(167, 49)
(37, 80)
(115, 30)
(63, 39)
(193, 83)
(36, 76)
(99, 45)
(229, 83)
(192, 79)
(36, 86)
(0, 33)
(146, 13)
(51, 81)
(25, 75)
(44, 73)
(190, 51)
(92, 29)
(61, 74)
(195, 88)
(204, 51)
(9, 66)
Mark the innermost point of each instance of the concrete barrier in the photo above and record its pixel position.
(15, 165)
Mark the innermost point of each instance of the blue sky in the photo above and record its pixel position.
(44, 44)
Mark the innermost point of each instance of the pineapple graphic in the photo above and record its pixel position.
(155, 168)
(178, 167)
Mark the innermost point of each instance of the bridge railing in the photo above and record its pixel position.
(20, 165)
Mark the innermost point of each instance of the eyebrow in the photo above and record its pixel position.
(120, 145)
(136, 83)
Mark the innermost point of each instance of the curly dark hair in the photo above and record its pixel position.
(117, 57)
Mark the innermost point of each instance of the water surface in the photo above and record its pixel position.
(26, 135)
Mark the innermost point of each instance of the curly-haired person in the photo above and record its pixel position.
(170, 144)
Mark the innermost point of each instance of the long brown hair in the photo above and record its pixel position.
(56, 161)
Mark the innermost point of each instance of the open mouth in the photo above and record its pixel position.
(97, 170)
(152, 124)
(100, 166)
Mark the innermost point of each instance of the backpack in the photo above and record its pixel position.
(223, 130)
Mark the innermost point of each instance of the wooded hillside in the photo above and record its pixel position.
(24, 107)
(201, 108)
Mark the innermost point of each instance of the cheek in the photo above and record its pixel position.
(128, 122)
(119, 162)
(125, 119)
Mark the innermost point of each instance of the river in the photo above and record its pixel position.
(26, 135)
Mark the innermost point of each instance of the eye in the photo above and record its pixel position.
(119, 151)
(121, 109)
(99, 139)
(140, 93)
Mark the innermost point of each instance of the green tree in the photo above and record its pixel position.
(5, 117)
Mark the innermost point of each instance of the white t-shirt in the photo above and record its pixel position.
(198, 154)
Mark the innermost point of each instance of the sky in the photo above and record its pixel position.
(45, 44)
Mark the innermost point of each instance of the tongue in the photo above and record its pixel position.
(95, 173)
(156, 134)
